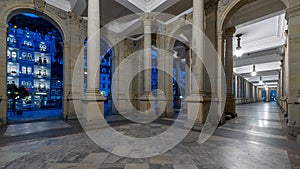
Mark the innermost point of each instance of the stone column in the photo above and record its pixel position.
(187, 76)
(168, 82)
(230, 99)
(3, 94)
(147, 53)
(294, 68)
(144, 100)
(196, 100)
(165, 73)
(221, 78)
(93, 100)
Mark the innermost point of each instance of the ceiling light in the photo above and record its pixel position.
(260, 80)
(253, 73)
(239, 51)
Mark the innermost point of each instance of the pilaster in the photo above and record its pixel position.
(3, 94)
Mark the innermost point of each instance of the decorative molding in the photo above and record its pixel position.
(39, 5)
(222, 5)
(74, 19)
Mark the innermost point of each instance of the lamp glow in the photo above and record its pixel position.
(253, 73)
(260, 81)
(239, 52)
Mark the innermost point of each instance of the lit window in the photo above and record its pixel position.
(23, 83)
(24, 55)
(23, 70)
(29, 70)
(13, 69)
(14, 55)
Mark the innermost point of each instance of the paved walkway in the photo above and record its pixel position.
(255, 139)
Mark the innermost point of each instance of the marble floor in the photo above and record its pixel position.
(257, 138)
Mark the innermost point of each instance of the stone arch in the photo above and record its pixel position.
(171, 37)
(226, 8)
(48, 14)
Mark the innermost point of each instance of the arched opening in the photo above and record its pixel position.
(273, 96)
(260, 35)
(34, 68)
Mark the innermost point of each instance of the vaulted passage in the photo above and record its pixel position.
(142, 84)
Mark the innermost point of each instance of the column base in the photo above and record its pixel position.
(145, 102)
(294, 115)
(195, 109)
(72, 104)
(93, 110)
(230, 107)
(122, 104)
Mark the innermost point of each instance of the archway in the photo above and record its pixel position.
(34, 67)
(234, 19)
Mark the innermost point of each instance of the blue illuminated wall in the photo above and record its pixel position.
(33, 61)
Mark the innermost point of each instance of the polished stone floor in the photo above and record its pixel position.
(257, 138)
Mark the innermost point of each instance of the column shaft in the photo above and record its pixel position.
(93, 47)
(198, 46)
(147, 53)
(230, 101)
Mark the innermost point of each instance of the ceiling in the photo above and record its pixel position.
(261, 23)
(262, 43)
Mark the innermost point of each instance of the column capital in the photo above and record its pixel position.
(147, 19)
(228, 33)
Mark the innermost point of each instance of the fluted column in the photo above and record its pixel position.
(93, 100)
(196, 100)
(3, 94)
(230, 99)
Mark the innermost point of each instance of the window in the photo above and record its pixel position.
(28, 84)
(53, 92)
(14, 55)
(24, 55)
(13, 69)
(23, 83)
(40, 60)
(29, 56)
(29, 70)
(23, 70)
(45, 73)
